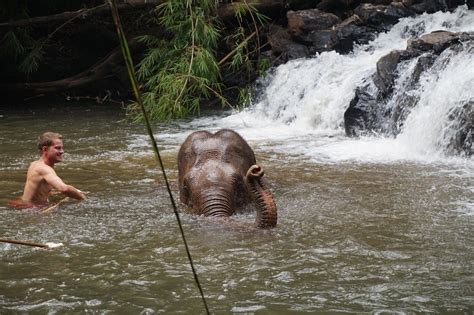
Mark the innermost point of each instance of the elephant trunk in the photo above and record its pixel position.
(215, 204)
(266, 207)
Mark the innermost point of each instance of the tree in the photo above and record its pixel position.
(191, 52)
(180, 71)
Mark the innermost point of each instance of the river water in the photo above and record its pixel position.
(371, 225)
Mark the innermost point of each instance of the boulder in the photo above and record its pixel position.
(381, 16)
(341, 24)
(360, 117)
(386, 71)
(323, 31)
(436, 41)
(351, 31)
(428, 6)
(305, 21)
(337, 7)
(312, 28)
(380, 107)
(461, 120)
(283, 48)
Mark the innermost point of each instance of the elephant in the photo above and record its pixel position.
(218, 174)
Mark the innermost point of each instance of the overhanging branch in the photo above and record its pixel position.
(83, 13)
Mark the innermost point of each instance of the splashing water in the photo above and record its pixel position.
(446, 87)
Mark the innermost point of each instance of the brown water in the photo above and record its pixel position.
(352, 237)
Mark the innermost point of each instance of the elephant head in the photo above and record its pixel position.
(218, 174)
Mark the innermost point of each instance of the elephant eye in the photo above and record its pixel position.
(185, 193)
(185, 185)
(237, 180)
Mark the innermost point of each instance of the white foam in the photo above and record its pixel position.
(53, 245)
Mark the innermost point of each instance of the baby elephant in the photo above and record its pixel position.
(218, 174)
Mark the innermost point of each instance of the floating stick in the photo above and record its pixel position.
(26, 243)
(50, 208)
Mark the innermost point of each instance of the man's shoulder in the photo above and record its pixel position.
(40, 167)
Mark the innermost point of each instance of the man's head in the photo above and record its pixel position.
(51, 146)
(46, 139)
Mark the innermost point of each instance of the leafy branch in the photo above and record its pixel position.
(180, 72)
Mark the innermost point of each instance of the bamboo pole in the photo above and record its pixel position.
(27, 243)
(134, 82)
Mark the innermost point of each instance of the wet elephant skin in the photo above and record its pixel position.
(218, 175)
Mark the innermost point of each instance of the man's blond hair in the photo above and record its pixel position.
(47, 138)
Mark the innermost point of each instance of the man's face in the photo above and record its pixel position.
(54, 152)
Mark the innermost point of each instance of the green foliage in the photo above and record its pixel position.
(181, 71)
(246, 48)
(240, 41)
(20, 53)
(11, 46)
(244, 99)
(178, 72)
(17, 47)
(12, 10)
(246, 95)
(263, 65)
(33, 58)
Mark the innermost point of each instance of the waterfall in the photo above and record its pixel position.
(305, 100)
(444, 90)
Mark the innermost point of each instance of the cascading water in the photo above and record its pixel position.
(445, 89)
(304, 100)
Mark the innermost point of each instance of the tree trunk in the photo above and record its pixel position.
(83, 13)
(110, 67)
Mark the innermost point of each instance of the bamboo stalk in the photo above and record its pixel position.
(134, 82)
(235, 49)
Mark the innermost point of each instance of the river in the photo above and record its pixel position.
(372, 225)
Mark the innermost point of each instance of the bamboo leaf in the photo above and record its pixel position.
(179, 73)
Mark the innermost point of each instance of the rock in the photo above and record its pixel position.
(313, 28)
(381, 107)
(429, 6)
(437, 41)
(461, 120)
(424, 62)
(321, 40)
(378, 2)
(283, 47)
(305, 21)
(328, 33)
(405, 3)
(351, 31)
(360, 117)
(386, 67)
(380, 16)
(337, 7)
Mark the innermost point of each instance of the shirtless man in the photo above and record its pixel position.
(41, 177)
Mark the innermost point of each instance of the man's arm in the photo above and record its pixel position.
(54, 180)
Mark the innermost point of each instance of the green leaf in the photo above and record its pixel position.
(180, 72)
